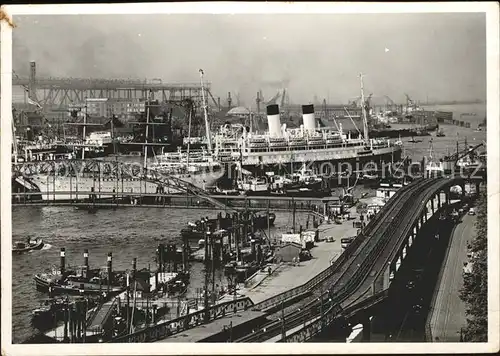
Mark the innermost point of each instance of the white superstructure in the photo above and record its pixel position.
(99, 138)
(304, 144)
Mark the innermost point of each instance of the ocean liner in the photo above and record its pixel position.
(292, 148)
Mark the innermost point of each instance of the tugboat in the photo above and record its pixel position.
(20, 247)
(81, 281)
(303, 183)
(74, 284)
(253, 186)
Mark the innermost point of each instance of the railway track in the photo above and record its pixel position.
(353, 292)
(387, 255)
(347, 276)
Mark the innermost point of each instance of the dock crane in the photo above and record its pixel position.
(390, 104)
(409, 102)
(347, 196)
(258, 99)
(229, 101)
(283, 96)
(273, 99)
(464, 153)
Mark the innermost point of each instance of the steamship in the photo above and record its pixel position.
(79, 185)
(281, 147)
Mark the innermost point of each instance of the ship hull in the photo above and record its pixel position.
(309, 193)
(327, 164)
(67, 188)
(321, 157)
(43, 285)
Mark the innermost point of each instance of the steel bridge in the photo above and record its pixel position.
(176, 192)
(58, 93)
(357, 281)
(115, 170)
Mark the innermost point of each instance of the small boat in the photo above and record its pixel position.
(79, 281)
(22, 247)
(45, 283)
(51, 311)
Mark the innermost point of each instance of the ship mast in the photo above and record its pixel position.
(83, 132)
(207, 126)
(189, 133)
(14, 140)
(147, 132)
(365, 120)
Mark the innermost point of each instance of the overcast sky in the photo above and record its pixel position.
(442, 56)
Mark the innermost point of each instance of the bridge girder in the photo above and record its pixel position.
(60, 92)
(117, 170)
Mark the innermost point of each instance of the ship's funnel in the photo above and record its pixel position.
(273, 120)
(308, 118)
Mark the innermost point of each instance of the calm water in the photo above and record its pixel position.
(136, 232)
(442, 145)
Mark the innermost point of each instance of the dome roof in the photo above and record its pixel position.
(239, 110)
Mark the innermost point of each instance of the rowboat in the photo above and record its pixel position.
(22, 247)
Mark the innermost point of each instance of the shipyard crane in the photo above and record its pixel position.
(238, 102)
(216, 102)
(464, 153)
(368, 103)
(356, 100)
(409, 102)
(258, 99)
(283, 96)
(390, 102)
(347, 195)
(273, 99)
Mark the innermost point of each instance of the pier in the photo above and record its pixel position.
(148, 200)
